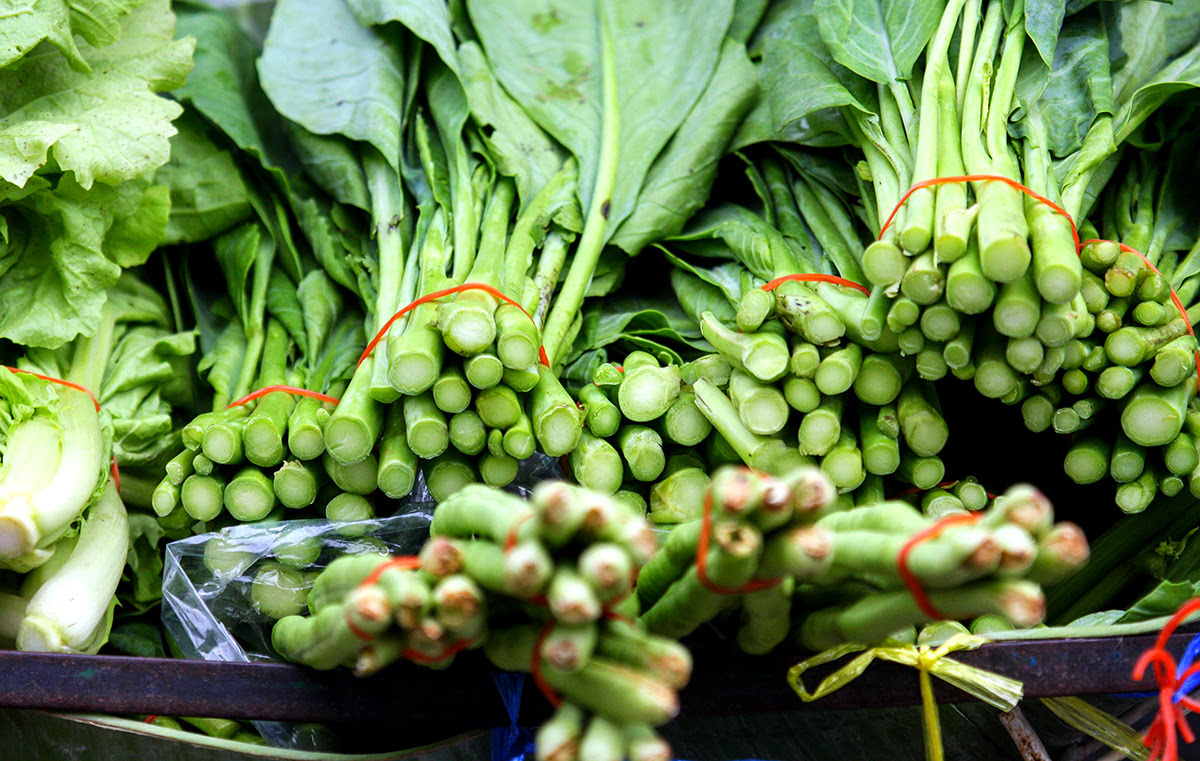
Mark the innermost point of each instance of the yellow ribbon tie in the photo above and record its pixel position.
(991, 688)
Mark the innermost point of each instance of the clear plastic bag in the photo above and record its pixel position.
(214, 610)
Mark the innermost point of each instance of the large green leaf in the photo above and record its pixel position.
(53, 268)
(208, 194)
(680, 179)
(626, 318)
(107, 124)
(1043, 19)
(331, 75)
(1179, 75)
(224, 84)
(800, 76)
(878, 39)
(428, 19)
(759, 247)
(1079, 88)
(57, 22)
(519, 146)
(696, 296)
(551, 56)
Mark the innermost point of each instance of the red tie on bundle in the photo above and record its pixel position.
(1161, 738)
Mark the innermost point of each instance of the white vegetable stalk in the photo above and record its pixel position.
(67, 610)
(31, 456)
(33, 519)
(12, 613)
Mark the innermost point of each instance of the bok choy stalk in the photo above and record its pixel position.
(59, 446)
(70, 607)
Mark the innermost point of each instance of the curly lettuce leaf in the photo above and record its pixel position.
(104, 125)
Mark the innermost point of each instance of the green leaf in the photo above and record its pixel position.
(696, 297)
(283, 303)
(755, 244)
(680, 179)
(107, 124)
(322, 304)
(1163, 600)
(53, 264)
(1179, 75)
(428, 19)
(326, 72)
(1080, 87)
(878, 39)
(800, 76)
(746, 16)
(332, 163)
(550, 55)
(57, 22)
(236, 252)
(726, 276)
(625, 319)
(138, 638)
(224, 85)
(520, 148)
(207, 192)
(1043, 19)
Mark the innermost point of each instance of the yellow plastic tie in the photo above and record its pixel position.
(995, 690)
(1099, 725)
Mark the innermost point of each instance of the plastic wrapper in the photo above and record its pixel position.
(223, 591)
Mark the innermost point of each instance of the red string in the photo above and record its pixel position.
(399, 561)
(702, 560)
(60, 382)
(453, 649)
(980, 178)
(545, 360)
(1042, 199)
(535, 667)
(1161, 737)
(1174, 296)
(285, 389)
(510, 541)
(817, 278)
(150, 719)
(911, 581)
(943, 485)
(116, 474)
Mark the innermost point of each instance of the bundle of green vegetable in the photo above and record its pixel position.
(543, 586)
(476, 170)
(786, 549)
(63, 525)
(97, 364)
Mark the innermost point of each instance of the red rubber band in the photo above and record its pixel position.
(943, 485)
(294, 391)
(1174, 296)
(810, 277)
(980, 178)
(1161, 737)
(911, 581)
(399, 561)
(116, 474)
(542, 357)
(59, 381)
(702, 560)
(409, 562)
(510, 541)
(535, 667)
(453, 649)
(150, 719)
(1060, 210)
